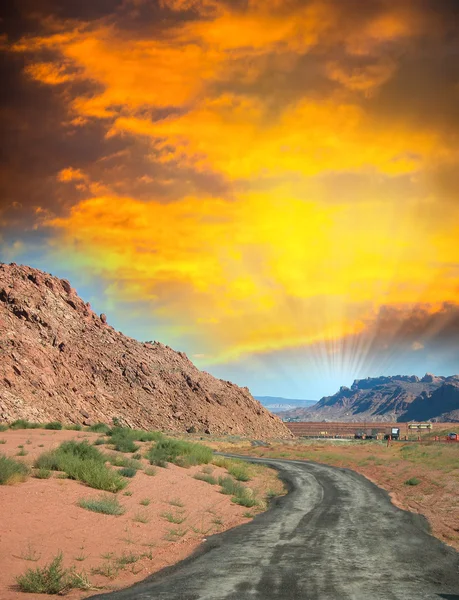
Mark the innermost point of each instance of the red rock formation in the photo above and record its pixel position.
(60, 361)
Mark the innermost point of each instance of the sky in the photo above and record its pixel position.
(270, 186)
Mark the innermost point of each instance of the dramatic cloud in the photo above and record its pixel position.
(256, 176)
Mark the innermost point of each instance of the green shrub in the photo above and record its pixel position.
(73, 427)
(124, 444)
(137, 456)
(239, 472)
(100, 428)
(53, 425)
(413, 481)
(137, 435)
(3, 427)
(151, 471)
(230, 487)
(2, 441)
(23, 424)
(145, 501)
(179, 452)
(140, 518)
(173, 518)
(127, 472)
(42, 474)
(108, 505)
(52, 579)
(207, 478)
(12, 471)
(22, 452)
(246, 499)
(83, 462)
(99, 442)
(124, 461)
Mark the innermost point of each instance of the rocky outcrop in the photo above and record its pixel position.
(402, 398)
(61, 361)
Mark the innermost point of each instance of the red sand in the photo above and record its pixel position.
(39, 518)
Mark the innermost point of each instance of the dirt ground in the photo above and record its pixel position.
(40, 517)
(432, 469)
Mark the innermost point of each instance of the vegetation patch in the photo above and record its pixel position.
(124, 438)
(107, 505)
(52, 579)
(412, 481)
(83, 462)
(207, 478)
(141, 518)
(12, 471)
(99, 428)
(118, 460)
(42, 473)
(54, 425)
(179, 452)
(173, 518)
(127, 472)
(23, 424)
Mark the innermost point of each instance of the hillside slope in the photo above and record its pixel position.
(60, 361)
(402, 398)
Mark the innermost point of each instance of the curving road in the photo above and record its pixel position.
(335, 536)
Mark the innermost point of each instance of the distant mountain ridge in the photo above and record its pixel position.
(277, 403)
(392, 398)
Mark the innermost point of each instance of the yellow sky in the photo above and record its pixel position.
(325, 209)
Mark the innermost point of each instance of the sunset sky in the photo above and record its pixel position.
(271, 186)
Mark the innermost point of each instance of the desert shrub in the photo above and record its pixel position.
(207, 478)
(73, 427)
(83, 462)
(173, 518)
(245, 499)
(124, 461)
(100, 428)
(12, 471)
(127, 472)
(3, 427)
(137, 456)
(239, 471)
(2, 441)
(179, 452)
(124, 438)
(151, 471)
(229, 486)
(108, 505)
(53, 425)
(42, 474)
(124, 444)
(23, 424)
(412, 481)
(51, 579)
(99, 442)
(137, 435)
(140, 518)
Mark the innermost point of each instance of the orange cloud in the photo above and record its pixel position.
(71, 174)
(264, 272)
(237, 137)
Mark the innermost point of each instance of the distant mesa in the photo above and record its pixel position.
(396, 398)
(61, 361)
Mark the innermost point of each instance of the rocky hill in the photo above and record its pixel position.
(61, 361)
(398, 398)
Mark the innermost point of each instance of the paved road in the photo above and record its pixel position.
(335, 536)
